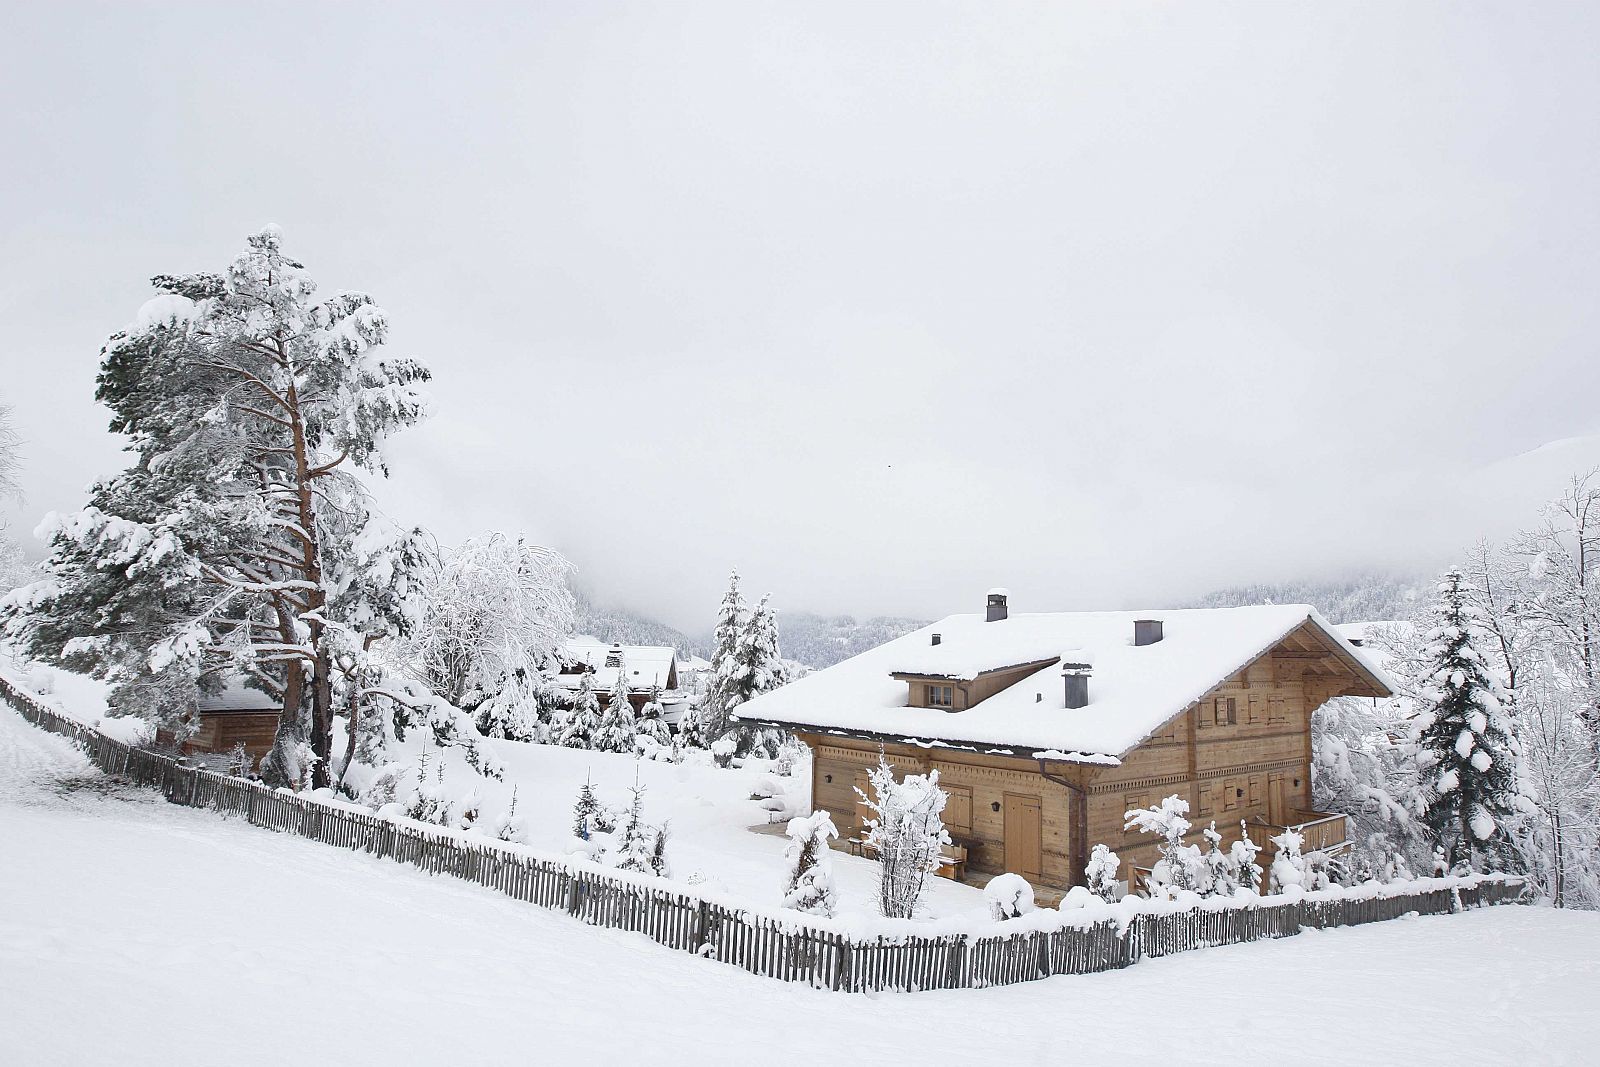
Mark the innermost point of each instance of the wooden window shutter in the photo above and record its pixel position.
(1255, 790)
(1253, 709)
(1277, 710)
(958, 808)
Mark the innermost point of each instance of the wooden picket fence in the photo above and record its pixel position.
(787, 949)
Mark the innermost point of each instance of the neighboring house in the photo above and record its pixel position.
(649, 668)
(1046, 728)
(232, 717)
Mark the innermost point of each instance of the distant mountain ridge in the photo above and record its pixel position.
(1361, 598)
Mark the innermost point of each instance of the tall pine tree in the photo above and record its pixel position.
(240, 541)
(1466, 749)
(618, 723)
(709, 718)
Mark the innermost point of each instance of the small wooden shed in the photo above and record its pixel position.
(232, 717)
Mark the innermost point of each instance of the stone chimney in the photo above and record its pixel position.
(1147, 631)
(1077, 679)
(996, 605)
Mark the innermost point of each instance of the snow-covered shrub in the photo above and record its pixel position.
(1288, 866)
(1181, 866)
(1101, 874)
(659, 866)
(809, 887)
(723, 749)
(907, 832)
(1319, 870)
(508, 825)
(1009, 896)
(1079, 897)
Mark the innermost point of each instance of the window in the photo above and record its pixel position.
(940, 696)
(1206, 793)
(1277, 710)
(1231, 796)
(1225, 711)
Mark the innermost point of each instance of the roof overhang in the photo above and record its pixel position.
(982, 748)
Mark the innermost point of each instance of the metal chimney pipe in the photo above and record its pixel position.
(1147, 631)
(1077, 679)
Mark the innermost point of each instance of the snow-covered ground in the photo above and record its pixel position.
(708, 809)
(137, 932)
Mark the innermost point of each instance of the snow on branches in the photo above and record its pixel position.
(906, 832)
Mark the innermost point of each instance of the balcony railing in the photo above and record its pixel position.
(1319, 830)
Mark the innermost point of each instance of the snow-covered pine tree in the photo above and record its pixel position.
(618, 723)
(907, 832)
(586, 813)
(651, 725)
(1179, 864)
(239, 541)
(809, 887)
(578, 724)
(638, 841)
(1466, 751)
(708, 720)
(1100, 874)
(511, 826)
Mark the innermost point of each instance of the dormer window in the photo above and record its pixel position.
(939, 696)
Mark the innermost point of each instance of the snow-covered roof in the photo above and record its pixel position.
(1133, 690)
(234, 697)
(647, 665)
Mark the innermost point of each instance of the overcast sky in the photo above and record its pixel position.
(882, 304)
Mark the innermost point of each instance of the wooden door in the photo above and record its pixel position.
(1024, 828)
(1276, 812)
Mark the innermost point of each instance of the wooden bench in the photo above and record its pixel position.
(952, 858)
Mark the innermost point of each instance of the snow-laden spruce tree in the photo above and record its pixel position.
(1466, 751)
(652, 726)
(906, 831)
(578, 723)
(708, 720)
(618, 723)
(240, 540)
(1362, 764)
(637, 848)
(1221, 869)
(1100, 874)
(588, 816)
(1180, 865)
(809, 886)
(492, 616)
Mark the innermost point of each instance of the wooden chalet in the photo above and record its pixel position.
(1046, 728)
(648, 669)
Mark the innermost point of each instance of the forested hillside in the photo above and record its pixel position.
(1360, 598)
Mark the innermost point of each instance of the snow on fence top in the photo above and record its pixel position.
(1133, 690)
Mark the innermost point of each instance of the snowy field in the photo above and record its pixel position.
(137, 932)
(708, 809)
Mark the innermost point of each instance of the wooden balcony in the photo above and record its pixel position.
(1322, 832)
